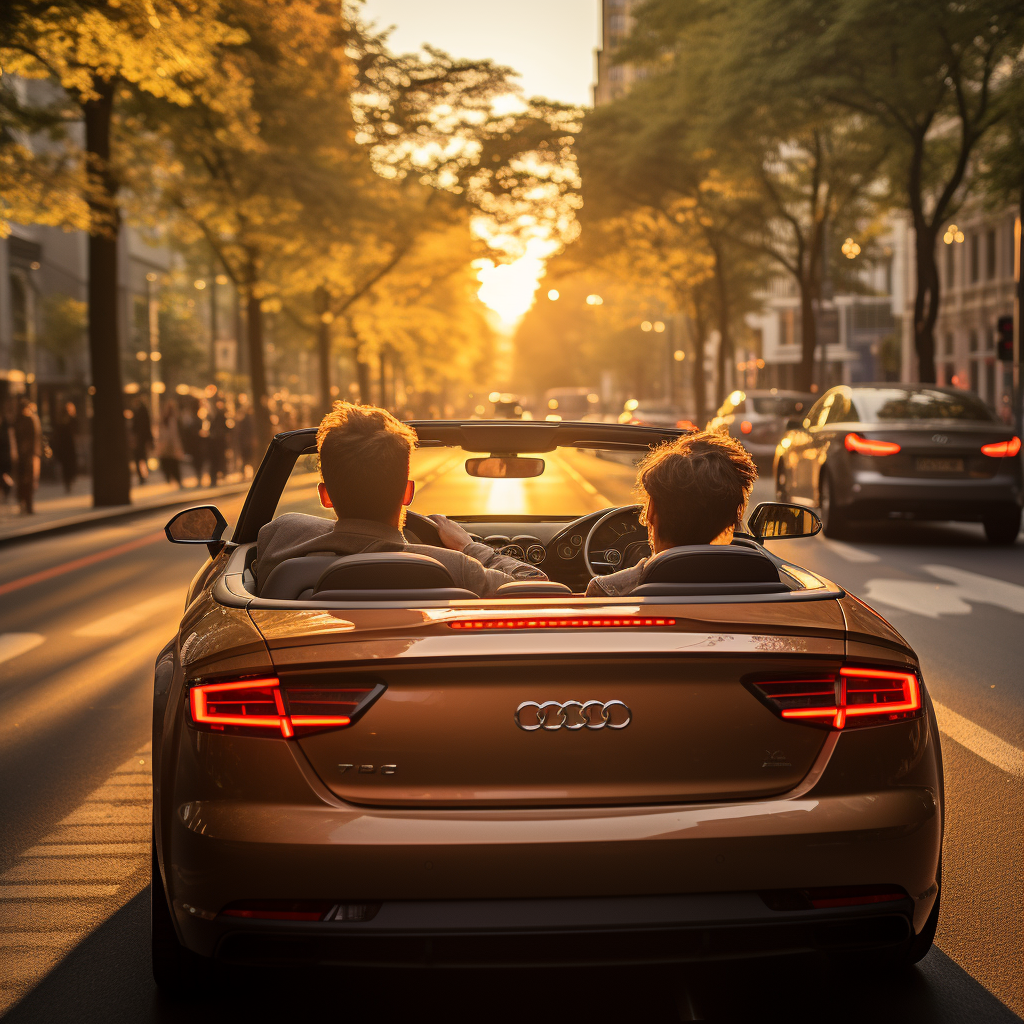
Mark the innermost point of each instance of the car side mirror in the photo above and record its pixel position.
(774, 520)
(203, 524)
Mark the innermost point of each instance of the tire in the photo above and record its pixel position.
(1002, 529)
(780, 485)
(176, 970)
(833, 521)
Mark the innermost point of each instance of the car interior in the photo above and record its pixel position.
(571, 550)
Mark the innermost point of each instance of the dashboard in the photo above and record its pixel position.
(557, 545)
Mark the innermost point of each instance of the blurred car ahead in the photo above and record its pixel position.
(758, 419)
(506, 406)
(646, 413)
(917, 451)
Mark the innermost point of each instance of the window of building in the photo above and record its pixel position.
(990, 381)
(950, 267)
(616, 73)
(974, 257)
(947, 344)
(975, 376)
(618, 23)
(990, 254)
(974, 341)
(948, 373)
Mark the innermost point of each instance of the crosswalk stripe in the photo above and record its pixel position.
(97, 857)
(120, 622)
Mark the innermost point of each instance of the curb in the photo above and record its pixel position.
(102, 515)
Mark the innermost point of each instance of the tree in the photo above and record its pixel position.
(927, 75)
(94, 51)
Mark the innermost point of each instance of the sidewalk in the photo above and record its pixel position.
(57, 510)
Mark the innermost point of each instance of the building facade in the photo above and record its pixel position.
(615, 80)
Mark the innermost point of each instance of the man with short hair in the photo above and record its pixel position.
(364, 468)
(695, 491)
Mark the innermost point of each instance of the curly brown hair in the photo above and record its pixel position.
(697, 486)
(364, 460)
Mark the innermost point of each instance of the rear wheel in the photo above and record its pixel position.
(833, 520)
(175, 968)
(1003, 528)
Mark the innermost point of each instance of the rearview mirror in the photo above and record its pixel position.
(203, 524)
(499, 467)
(772, 519)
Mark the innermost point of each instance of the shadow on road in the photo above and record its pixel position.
(107, 980)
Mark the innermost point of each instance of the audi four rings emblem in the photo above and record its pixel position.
(572, 715)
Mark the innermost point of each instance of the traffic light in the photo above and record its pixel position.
(1004, 339)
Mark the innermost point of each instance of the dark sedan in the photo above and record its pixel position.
(885, 451)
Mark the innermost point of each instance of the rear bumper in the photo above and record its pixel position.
(874, 496)
(560, 932)
(228, 851)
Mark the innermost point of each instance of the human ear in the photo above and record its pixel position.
(325, 498)
(410, 492)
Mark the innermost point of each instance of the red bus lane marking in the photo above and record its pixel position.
(81, 563)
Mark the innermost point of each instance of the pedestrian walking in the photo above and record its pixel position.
(189, 428)
(169, 449)
(217, 442)
(65, 444)
(245, 437)
(141, 434)
(28, 443)
(6, 454)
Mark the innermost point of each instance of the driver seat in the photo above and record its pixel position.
(381, 576)
(692, 570)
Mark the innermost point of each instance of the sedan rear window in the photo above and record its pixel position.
(785, 407)
(924, 404)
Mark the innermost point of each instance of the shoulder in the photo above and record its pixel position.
(297, 525)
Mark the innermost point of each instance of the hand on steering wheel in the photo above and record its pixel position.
(611, 513)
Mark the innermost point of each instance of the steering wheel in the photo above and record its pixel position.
(610, 514)
(421, 530)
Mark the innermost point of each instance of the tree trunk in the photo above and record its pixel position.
(363, 379)
(323, 349)
(111, 476)
(257, 364)
(808, 337)
(926, 304)
(697, 380)
(724, 322)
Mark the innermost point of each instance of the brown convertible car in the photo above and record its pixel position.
(367, 766)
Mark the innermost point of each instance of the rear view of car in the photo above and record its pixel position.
(904, 451)
(759, 419)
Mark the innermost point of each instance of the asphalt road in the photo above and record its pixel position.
(83, 614)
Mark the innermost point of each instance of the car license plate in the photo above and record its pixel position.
(940, 465)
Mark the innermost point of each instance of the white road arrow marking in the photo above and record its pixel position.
(996, 751)
(953, 598)
(13, 644)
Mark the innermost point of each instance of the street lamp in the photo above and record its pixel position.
(554, 295)
(850, 249)
(594, 300)
(646, 326)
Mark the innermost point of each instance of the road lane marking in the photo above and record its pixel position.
(81, 563)
(985, 744)
(120, 622)
(847, 551)
(583, 482)
(13, 644)
(951, 598)
(100, 872)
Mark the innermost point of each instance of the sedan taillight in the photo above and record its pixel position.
(262, 704)
(851, 697)
(1002, 449)
(866, 446)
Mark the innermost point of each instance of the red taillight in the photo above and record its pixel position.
(301, 910)
(746, 426)
(580, 623)
(260, 704)
(1002, 449)
(826, 898)
(855, 696)
(865, 446)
